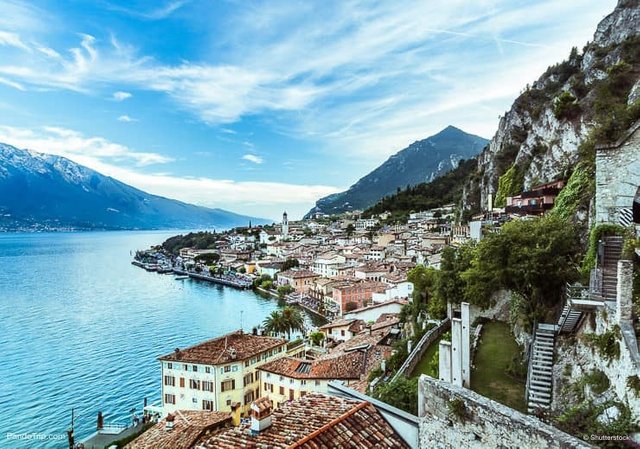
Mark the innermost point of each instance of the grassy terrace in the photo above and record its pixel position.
(423, 367)
(489, 378)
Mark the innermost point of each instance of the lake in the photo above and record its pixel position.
(81, 328)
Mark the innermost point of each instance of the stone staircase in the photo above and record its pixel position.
(569, 319)
(540, 376)
(612, 254)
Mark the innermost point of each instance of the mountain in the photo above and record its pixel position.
(421, 161)
(551, 130)
(44, 191)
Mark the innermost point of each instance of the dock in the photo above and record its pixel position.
(109, 434)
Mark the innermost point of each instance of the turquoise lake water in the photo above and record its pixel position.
(81, 328)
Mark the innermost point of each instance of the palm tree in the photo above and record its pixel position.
(274, 323)
(292, 320)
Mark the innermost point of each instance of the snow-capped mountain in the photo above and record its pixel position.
(38, 188)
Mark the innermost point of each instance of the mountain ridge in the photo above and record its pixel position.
(38, 189)
(423, 160)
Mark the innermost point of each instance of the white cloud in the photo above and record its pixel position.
(120, 96)
(257, 198)
(12, 40)
(73, 144)
(253, 158)
(126, 118)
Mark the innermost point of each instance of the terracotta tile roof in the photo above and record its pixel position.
(339, 323)
(221, 350)
(350, 365)
(313, 422)
(188, 427)
(298, 274)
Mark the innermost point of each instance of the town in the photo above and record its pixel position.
(390, 354)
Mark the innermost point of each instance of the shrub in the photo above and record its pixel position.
(458, 409)
(565, 106)
(509, 184)
(633, 383)
(606, 344)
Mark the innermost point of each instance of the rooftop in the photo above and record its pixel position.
(343, 366)
(315, 421)
(297, 274)
(226, 349)
(188, 427)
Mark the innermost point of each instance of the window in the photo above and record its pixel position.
(194, 400)
(195, 368)
(207, 370)
(227, 368)
(234, 368)
(248, 398)
(229, 402)
(182, 382)
(170, 381)
(342, 332)
(248, 379)
(207, 386)
(257, 375)
(194, 384)
(302, 393)
(246, 363)
(186, 367)
(282, 391)
(169, 399)
(291, 394)
(281, 378)
(290, 381)
(303, 382)
(317, 382)
(207, 405)
(169, 365)
(227, 385)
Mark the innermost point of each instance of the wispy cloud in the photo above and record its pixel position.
(73, 144)
(12, 40)
(121, 96)
(253, 158)
(126, 118)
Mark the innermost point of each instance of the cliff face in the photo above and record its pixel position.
(540, 135)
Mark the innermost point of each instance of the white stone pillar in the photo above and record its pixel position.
(624, 298)
(456, 352)
(466, 345)
(444, 361)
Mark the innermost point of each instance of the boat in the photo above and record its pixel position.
(180, 278)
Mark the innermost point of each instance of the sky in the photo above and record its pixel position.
(264, 106)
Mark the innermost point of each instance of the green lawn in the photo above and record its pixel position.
(489, 378)
(423, 366)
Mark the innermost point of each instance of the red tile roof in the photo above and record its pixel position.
(188, 427)
(342, 366)
(312, 422)
(222, 349)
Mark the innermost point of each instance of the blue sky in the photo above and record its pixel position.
(262, 106)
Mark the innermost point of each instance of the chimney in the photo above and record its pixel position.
(261, 414)
(169, 422)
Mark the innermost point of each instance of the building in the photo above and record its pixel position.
(300, 280)
(285, 226)
(356, 295)
(314, 421)
(218, 373)
(181, 430)
(374, 311)
(536, 201)
(289, 378)
(328, 264)
(342, 330)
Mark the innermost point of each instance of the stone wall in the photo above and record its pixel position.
(617, 176)
(485, 424)
(416, 354)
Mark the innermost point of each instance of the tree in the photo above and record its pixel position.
(533, 259)
(290, 263)
(350, 229)
(274, 323)
(293, 320)
(316, 338)
(401, 393)
(284, 290)
(208, 258)
(350, 306)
